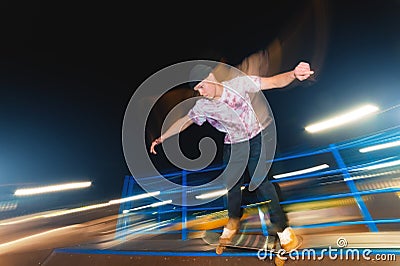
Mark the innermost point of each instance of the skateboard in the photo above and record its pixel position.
(218, 219)
(243, 241)
(258, 242)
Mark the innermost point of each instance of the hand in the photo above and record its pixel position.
(154, 144)
(302, 71)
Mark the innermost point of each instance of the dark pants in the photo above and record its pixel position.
(257, 168)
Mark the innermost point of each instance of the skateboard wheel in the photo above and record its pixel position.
(219, 250)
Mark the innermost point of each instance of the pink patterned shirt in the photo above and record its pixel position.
(232, 113)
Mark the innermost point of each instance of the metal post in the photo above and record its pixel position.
(126, 191)
(264, 226)
(353, 189)
(184, 208)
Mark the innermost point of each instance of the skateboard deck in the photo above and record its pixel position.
(247, 241)
(243, 241)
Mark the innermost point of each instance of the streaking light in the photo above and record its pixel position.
(137, 197)
(214, 194)
(157, 204)
(381, 165)
(50, 189)
(17, 241)
(357, 177)
(18, 221)
(84, 208)
(342, 119)
(150, 227)
(380, 146)
(8, 206)
(80, 209)
(304, 171)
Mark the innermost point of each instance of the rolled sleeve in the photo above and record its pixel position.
(252, 84)
(196, 115)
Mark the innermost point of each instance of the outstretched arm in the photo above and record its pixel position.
(178, 126)
(301, 72)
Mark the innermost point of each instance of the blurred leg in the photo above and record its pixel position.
(266, 191)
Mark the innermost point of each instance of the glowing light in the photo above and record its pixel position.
(23, 220)
(381, 165)
(303, 171)
(150, 227)
(50, 189)
(17, 241)
(342, 119)
(79, 209)
(8, 206)
(85, 208)
(357, 177)
(137, 197)
(157, 204)
(380, 146)
(217, 193)
(214, 194)
(160, 203)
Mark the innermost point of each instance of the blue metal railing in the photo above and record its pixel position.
(343, 170)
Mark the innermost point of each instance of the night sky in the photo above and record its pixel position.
(68, 70)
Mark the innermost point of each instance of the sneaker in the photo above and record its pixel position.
(278, 261)
(288, 239)
(230, 230)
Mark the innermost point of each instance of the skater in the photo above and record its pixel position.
(245, 129)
